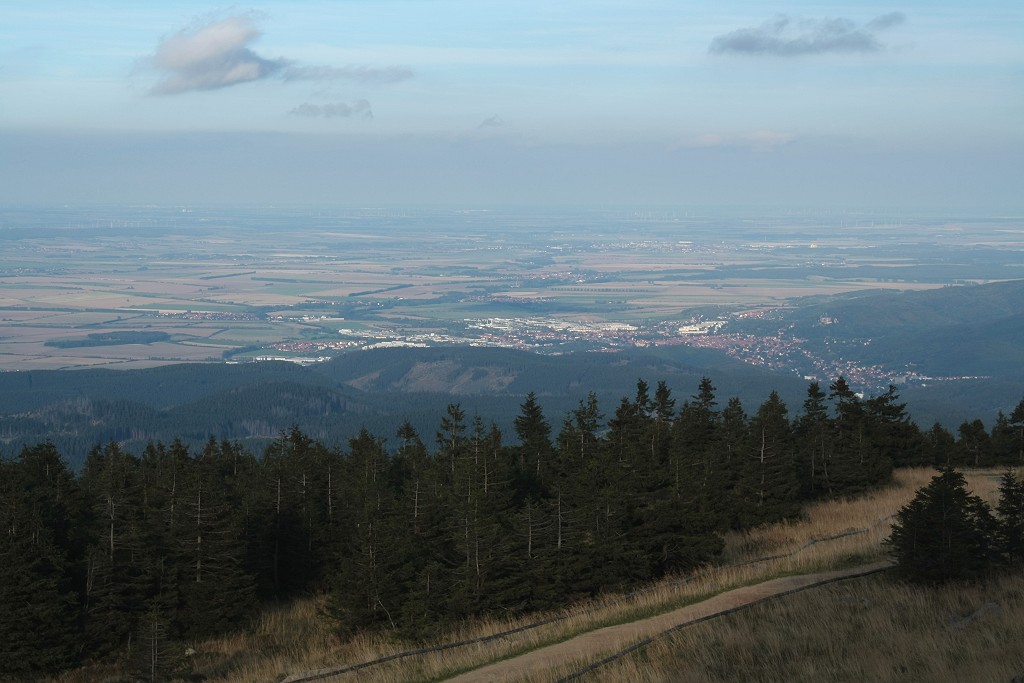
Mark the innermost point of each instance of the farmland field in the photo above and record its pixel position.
(246, 283)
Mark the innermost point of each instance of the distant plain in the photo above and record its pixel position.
(247, 283)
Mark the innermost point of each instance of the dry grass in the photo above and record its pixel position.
(299, 638)
(869, 629)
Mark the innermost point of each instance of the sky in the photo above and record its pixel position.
(404, 102)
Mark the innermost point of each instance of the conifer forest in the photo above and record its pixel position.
(409, 532)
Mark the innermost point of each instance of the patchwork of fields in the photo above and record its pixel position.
(304, 285)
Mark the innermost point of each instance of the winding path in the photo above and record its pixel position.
(597, 644)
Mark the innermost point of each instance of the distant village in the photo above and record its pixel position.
(779, 352)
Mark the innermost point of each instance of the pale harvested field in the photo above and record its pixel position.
(238, 299)
(35, 356)
(9, 362)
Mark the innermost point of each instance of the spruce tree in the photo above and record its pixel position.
(660, 426)
(117, 577)
(945, 533)
(364, 586)
(814, 436)
(1003, 440)
(1017, 421)
(895, 440)
(768, 490)
(535, 449)
(216, 592)
(1010, 508)
(974, 447)
(733, 444)
(696, 467)
(851, 444)
(938, 447)
(38, 607)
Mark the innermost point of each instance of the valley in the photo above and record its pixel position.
(163, 285)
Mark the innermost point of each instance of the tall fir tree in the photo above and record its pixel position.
(215, 590)
(1003, 441)
(1010, 508)
(38, 600)
(974, 446)
(944, 534)
(116, 582)
(814, 433)
(938, 447)
(768, 490)
(1017, 421)
(697, 471)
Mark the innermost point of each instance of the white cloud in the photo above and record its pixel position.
(211, 57)
(217, 55)
(784, 36)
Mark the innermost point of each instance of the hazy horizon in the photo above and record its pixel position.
(451, 102)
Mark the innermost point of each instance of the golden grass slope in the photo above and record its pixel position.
(869, 629)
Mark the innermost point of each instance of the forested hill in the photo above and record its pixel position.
(143, 552)
(377, 389)
(877, 312)
(964, 330)
(255, 402)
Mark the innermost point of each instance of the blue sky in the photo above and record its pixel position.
(445, 101)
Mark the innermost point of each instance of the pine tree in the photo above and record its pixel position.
(535, 450)
(768, 490)
(292, 500)
(1017, 420)
(851, 440)
(938, 447)
(37, 627)
(814, 434)
(974, 447)
(38, 606)
(451, 440)
(155, 659)
(117, 578)
(660, 426)
(479, 538)
(363, 588)
(215, 590)
(411, 477)
(420, 582)
(1003, 441)
(1010, 508)
(895, 440)
(578, 439)
(163, 472)
(696, 467)
(945, 533)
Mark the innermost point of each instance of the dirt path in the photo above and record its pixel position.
(602, 642)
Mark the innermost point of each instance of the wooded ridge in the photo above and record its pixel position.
(137, 552)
